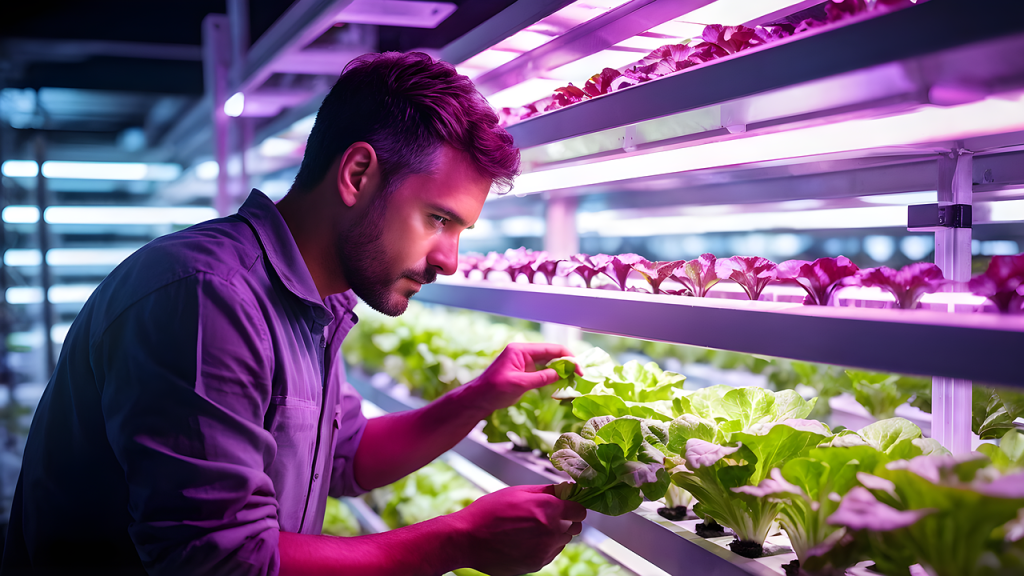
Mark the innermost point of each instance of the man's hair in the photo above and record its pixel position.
(406, 106)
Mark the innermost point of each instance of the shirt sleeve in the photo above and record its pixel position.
(185, 376)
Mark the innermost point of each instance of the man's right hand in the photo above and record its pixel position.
(517, 530)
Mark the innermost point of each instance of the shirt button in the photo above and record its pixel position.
(316, 476)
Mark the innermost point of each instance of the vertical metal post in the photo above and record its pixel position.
(561, 240)
(44, 248)
(216, 67)
(951, 397)
(238, 15)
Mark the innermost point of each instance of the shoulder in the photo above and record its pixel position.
(222, 250)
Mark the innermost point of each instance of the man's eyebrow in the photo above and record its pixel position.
(442, 211)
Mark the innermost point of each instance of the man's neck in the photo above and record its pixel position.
(310, 225)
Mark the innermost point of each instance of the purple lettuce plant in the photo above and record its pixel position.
(546, 266)
(752, 273)
(587, 267)
(656, 272)
(620, 267)
(820, 279)
(907, 285)
(698, 275)
(493, 262)
(520, 262)
(1002, 283)
(469, 262)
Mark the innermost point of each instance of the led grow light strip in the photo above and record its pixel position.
(162, 172)
(68, 256)
(114, 215)
(926, 124)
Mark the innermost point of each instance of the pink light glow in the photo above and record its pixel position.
(926, 124)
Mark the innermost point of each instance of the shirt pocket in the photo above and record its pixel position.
(293, 425)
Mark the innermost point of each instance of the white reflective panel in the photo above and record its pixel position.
(735, 12)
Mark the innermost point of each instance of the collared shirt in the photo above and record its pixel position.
(199, 407)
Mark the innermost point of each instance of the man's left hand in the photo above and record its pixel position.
(515, 371)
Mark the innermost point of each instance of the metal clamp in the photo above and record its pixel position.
(930, 216)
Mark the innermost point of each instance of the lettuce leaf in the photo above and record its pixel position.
(620, 267)
(614, 463)
(698, 275)
(1001, 283)
(820, 279)
(656, 272)
(752, 273)
(940, 511)
(907, 285)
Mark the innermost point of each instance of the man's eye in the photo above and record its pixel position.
(439, 219)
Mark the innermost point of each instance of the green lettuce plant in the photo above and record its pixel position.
(614, 463)
(1008, 456)
(339, 520)
(808, 490)
(607, 389)
(947, 513)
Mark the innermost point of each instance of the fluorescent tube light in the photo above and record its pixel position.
(235, 105)
(21, 215)
(208, 170)
(24, 295)
(274, 147)
(92, 170)
(17, 257)
(610, 223)
(20, 169)
(59, 294)
(926, 124)
(127, 215)
(70, 293)
(524, 93)
(68, 256)
(903, 198)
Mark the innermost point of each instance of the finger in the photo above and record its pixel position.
(573, 511)
(564, 526)
(539, 378)
(542, 353)
(574, 529)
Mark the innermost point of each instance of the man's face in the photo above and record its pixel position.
(412, 236)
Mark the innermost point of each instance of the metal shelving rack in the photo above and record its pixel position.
(940, 53)
(664, 544)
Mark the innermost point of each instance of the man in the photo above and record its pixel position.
(199, 416)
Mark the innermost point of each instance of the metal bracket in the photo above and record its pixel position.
(932, 216)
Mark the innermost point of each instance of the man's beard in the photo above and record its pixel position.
(364, 265)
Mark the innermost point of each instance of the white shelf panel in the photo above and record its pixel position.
(666, 545)
(981, 347)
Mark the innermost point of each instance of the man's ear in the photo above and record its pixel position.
(358, 173)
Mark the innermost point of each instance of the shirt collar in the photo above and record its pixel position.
(284, 256)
